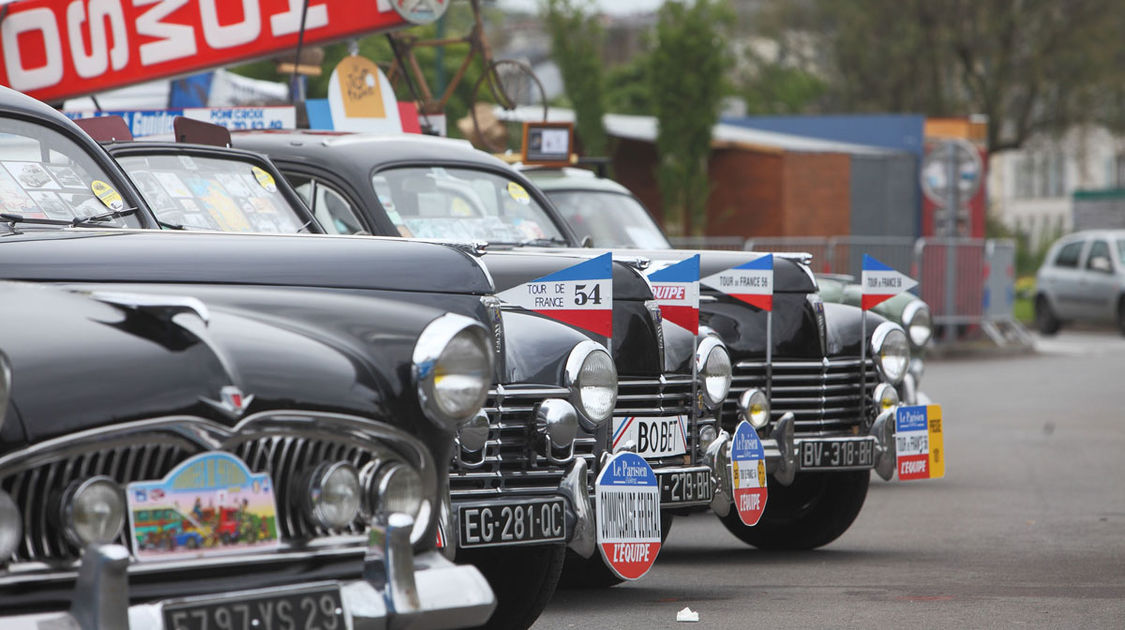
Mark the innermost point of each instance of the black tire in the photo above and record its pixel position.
(522, 578)
(1045, 319)
(592, 573)
(1121, 314)
(811, 513)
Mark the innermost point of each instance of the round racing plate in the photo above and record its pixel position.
(628, 515)
(748, 474)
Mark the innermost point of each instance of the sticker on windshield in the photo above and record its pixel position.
(187, 162)
(518, 193)
(265, 180)
(107, 195)
(31, 175)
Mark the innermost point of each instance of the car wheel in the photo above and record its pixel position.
(522, 578)
(1045, 319)
(1121, 314)
(811, 513)
(592, 572)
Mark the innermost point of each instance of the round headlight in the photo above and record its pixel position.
(453, 369)
(592, 379)
(334, 495)
(93, 511)
(396, 488)
(886, 397)
(713, 364)
(892, 355)
(754, 407)
(11, 526)
(918, 322)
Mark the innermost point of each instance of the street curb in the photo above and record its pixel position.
(977, 350)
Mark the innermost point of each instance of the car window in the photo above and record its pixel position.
(610, 219)
(207, 193)
(331, 208)
(462, 204)
(1100, 249)
(1121, 252)
(45, 175)
(1068, 255)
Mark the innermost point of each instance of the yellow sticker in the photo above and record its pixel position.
(460, 208)
(107, 195)
(518, 193)
(264, 179)
(937, 443)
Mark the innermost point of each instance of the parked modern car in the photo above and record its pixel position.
(209, 364)
(815, 391)
(445, 190)
(1082, 279)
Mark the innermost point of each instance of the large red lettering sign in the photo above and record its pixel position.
(54, 49)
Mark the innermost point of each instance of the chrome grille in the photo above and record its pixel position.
(149, 453)
(511, 463)
(667, 395)
(824, 396)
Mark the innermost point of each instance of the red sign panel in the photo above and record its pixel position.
(55, 49)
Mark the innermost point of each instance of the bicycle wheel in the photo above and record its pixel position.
(510, 84)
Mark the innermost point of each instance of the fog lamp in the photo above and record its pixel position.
(886, 397)
(473, 435)
(93, 511)
(334, 495)
(707, 434)
(396, 488)
(11, 526)
(754, 407)
(558, 420)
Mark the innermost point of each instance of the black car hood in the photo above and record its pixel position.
(345, 262)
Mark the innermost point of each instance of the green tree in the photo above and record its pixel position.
(687, 78)
(775, 88)
(628, 87)
(576, 43)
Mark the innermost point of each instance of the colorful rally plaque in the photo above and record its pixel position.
(748, 474)
(918, 440)
(210, 504)
(627, 496)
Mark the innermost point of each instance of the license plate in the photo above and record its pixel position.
(684, 486)
(854, 453)
(308, 607)
(512, 523)
(653, 437)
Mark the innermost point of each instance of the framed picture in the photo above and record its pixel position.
(548, 143)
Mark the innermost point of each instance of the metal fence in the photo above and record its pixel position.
(967, 282)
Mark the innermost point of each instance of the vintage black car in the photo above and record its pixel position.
(229, 370)
(414, 186)
(519, 457)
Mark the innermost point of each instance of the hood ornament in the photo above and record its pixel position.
(232, 403)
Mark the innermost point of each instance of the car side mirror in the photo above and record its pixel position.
(587, 241)
(1101, 263)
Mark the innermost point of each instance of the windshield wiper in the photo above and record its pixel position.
(105, 216)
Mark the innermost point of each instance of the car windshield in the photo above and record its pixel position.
(1121, 252)
(207, 193)
(45, 175)
(610, 219)
(463, 204)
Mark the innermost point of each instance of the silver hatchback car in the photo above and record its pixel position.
(1082, 278)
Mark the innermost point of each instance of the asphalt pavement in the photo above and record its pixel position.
(1027, 529)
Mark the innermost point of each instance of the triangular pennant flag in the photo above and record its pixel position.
(880, 283)
(581, 295)
(676, 288)
(750, 282)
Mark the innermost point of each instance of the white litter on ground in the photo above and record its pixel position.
(687, 614)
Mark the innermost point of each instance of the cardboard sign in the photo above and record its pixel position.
(919, 443)
(54, 50)
(628, 505)
(148, 122)
(361, 98)
(581, 295)
(748, 474)
(676, 288)
(750, 282)
(879, 283)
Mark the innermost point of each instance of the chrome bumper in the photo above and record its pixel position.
(399, 590)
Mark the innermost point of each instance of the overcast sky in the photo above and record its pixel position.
(609, 6)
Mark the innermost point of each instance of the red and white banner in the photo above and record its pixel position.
(880, 283)
(580, 295)
(750, 282)
(55, 49)
(676, 289)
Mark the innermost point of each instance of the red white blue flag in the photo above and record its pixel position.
(880, 282)
(750, 282)
(581, 295)
(676, 288)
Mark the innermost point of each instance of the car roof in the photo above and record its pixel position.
(374, 147)
(1117, 234)
(556, 179)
